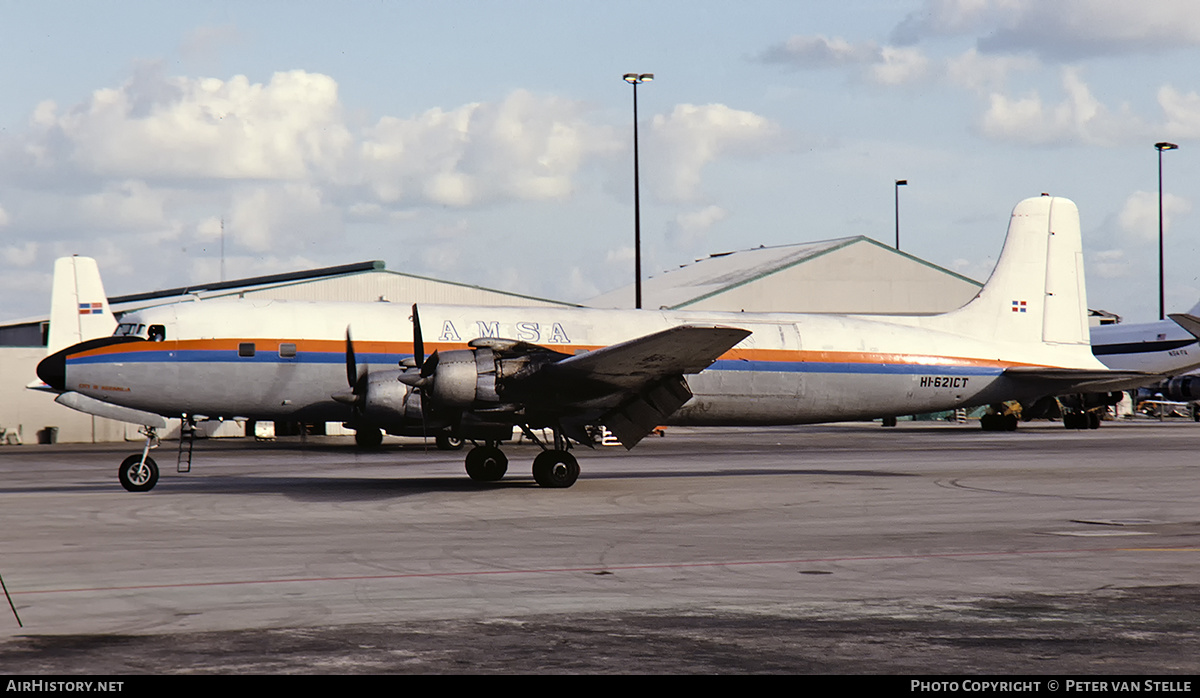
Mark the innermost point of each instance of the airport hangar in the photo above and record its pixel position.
(843, 275)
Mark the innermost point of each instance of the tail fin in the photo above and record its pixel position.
(1036, 294)
(78, 306)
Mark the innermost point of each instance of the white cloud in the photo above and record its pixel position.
(981, 72)
(900, 66)
(156, 126)
(524, 147)
(1181, 111)
(23, 255)
(271, 217)
(1110, 264)
(158, 161)
(1139, 215)
(1060, 30)
(1078, 118)
(689, 228)
(125, 205)
(820, 51)
(692, 136)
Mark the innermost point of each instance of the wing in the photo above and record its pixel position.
(632, 386)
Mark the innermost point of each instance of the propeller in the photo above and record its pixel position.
(418, 339)
(358, 383)
(424, 368)
(351, 364)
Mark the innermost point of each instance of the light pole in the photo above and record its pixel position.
(636, 79)
(1162, 306)
(899, 183)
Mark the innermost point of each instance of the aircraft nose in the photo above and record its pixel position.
(53, 370)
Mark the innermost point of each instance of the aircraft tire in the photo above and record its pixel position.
(368, 438)
(486, 464)
(445, 442)
(1093, 420)
(1076, 420)
(556, 469)
(136, 478)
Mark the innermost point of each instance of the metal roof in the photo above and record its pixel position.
(720, 272)
(249, 282)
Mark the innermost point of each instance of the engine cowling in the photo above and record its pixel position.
(1180, 388)
(387, 398)
(464, 378)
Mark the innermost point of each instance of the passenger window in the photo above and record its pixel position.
(246, 349)
(287, 350)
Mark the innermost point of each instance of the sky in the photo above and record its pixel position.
(491, 143)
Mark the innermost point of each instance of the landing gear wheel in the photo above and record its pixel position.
(486, 464)
(368, 438)
(137, 476)
(1093, 420)
(555, 469)
(1078, 420)
(445, 442)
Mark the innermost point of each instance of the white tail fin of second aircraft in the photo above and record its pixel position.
(78, 306)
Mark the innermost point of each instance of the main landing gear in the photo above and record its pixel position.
(553, 467)
(371, 438)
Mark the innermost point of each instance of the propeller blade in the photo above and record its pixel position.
(351, 364)
(429, 366)
(418, 339)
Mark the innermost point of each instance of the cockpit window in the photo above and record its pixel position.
(157, 333)
(130, 329)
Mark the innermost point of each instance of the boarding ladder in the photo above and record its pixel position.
(187, 438)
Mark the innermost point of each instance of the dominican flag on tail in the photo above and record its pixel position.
(91, 308)
(1018, 306)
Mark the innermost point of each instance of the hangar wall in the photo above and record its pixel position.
(843, 275)
(868, 279)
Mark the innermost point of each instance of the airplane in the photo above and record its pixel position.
(1163, 349)
(495, 369)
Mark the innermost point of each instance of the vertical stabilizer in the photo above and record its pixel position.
(1036, 292)
(78, 306)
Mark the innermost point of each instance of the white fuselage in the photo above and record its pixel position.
(285, 359)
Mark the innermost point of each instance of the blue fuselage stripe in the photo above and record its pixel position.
(327, 358)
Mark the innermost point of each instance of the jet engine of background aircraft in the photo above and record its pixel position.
(1179, 388)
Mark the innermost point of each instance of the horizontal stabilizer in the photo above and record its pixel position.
(99, 408)
(1187, 321)
(1057, 381)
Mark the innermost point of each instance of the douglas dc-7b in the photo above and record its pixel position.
(494, 369)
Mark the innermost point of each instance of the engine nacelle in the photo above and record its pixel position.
(464, 377)
(388, 399)
(1180, 388)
